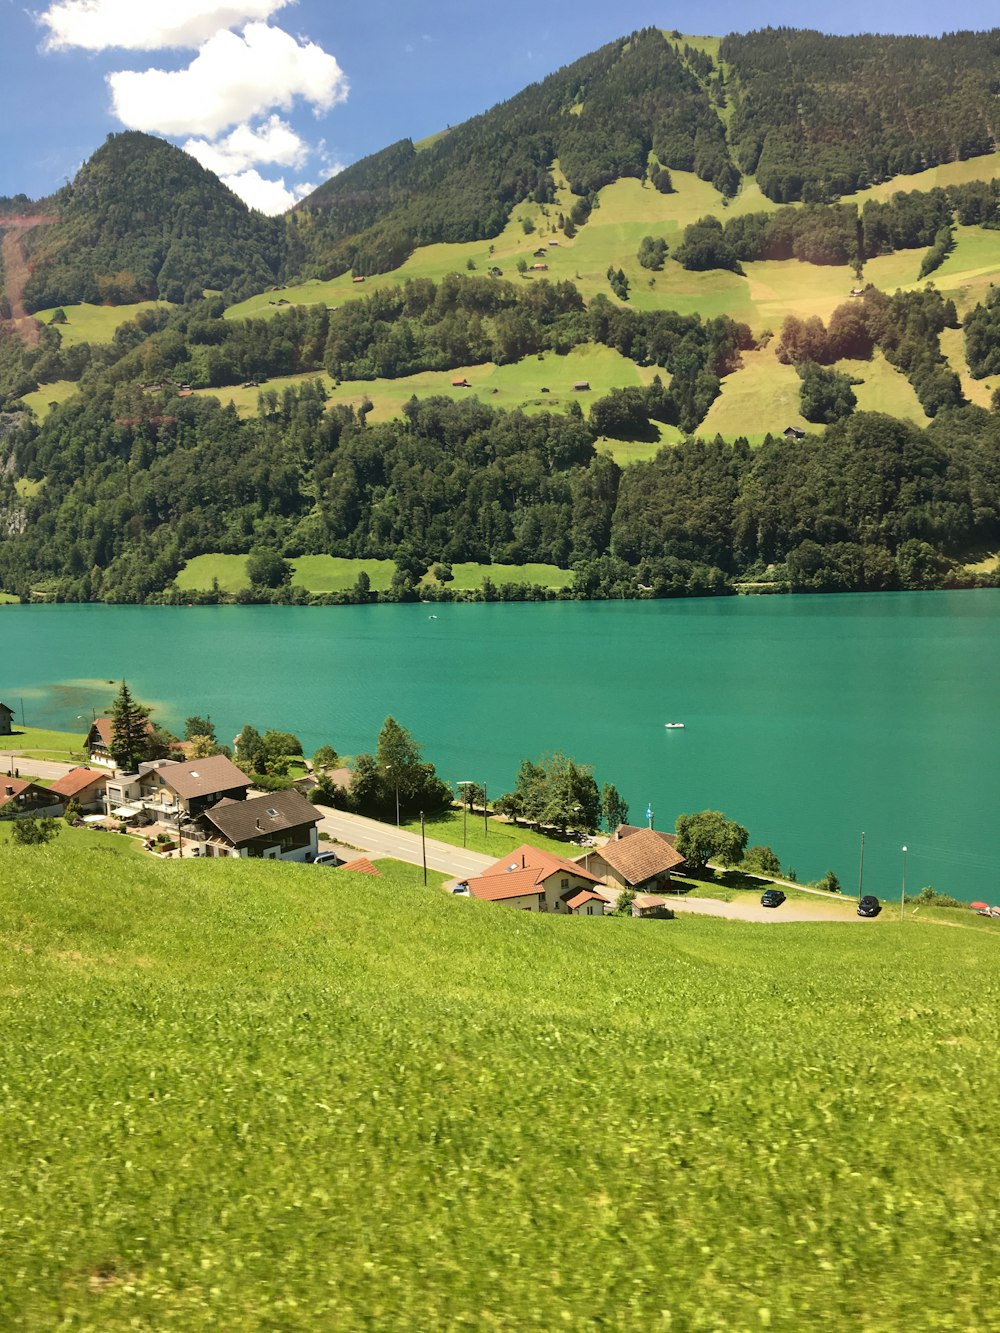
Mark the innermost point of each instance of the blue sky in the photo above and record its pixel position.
(275, 95)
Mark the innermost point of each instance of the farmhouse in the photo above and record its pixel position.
(539, 268)
(167, 787)
(535, 881)
(84, 785)
(581, 385)
(278, 827)
(640, 859)
(461, 383)
(585, 902)
(6, 720)
(794, 433)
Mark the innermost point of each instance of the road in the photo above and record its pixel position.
(32, 768)
(386, 840)
(792, 910)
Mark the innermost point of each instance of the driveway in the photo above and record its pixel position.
(792, 910)
(386, 840)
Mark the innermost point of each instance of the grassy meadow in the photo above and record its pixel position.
(252, 1096)
(497, 839)
(468, 576)
(64, 747)
(315, 573)
(95, 323)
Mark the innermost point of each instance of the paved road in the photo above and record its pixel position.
(386, 840)
(32, 768)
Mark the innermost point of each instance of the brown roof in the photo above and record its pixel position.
(583, 896)
(10, 788)
(341, 777)
(623, 830)
(279, 811)
(5, 709)
(644, 901)
(200, 777)
(640, 856)
(362, 866)
(102, 725)
(76, 781)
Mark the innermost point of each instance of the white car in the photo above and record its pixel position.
(327, 859)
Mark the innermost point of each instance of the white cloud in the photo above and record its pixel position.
(231, 80)
(147, 25)
(275, 141)
(268, 196)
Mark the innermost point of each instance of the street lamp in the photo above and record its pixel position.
(465, 805)
(902, 896)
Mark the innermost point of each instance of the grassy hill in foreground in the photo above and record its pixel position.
(254, 1096)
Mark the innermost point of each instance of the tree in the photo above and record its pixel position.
(279, 745)
(761, 861)
(326, 757)
(158, 743)
(203, 747)
(72, 812)
(710, 834)
(30, 831)
(198, 726)
(250, 754)
(614, 809)
(652, 252)
(266, 568)
(829, 882)
(623, 907)
(129, 723)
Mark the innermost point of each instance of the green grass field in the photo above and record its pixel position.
(497, 839)
(26, 488)
(467, 576)
(252, 1096)
(95, 323)
(315, 573)
(43, 397)
(8, 599)
(762, 396)
(40, 743)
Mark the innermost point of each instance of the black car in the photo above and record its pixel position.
(869, 906)
(772, 898)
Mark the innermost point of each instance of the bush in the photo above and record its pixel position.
(30, 831)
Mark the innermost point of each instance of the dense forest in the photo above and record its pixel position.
(135, 483)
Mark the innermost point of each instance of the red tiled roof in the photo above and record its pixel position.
(11, 788)
(102, 725)
(514, 884)
(362, 866)
(584, 896)
(623, 830)
(76, 781)
(644, 901)
(544, 864)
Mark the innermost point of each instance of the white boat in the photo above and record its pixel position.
(674, 726)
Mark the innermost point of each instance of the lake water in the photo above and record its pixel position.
(808, 719)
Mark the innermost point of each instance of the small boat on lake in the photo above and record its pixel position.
(674, 726)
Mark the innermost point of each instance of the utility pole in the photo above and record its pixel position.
(423, 846)
(902, 896)
(486, 826)
(861, 868)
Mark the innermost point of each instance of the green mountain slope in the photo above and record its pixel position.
(249, 1096)
(143, 219)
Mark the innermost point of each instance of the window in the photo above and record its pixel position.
(564, 883)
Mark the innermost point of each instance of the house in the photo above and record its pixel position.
(98, 741)
(585, 902)
(539, 268)
(278, 827)
(581, 385)
(358, 278)
(27, 797)
(642, 860)
(794, 433)
(84, 785)
(169, 788)
(6, 720)
(461, 383)
(533, 880)
(857, 291)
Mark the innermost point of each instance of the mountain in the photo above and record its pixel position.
(143, 219)
(813, 116)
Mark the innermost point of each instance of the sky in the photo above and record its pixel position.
(275, 96)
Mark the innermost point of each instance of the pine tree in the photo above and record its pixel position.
(128, 730)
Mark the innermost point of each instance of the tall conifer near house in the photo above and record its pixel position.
(128, 729)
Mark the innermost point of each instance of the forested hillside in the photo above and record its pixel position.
(678, 378)
(143, 219)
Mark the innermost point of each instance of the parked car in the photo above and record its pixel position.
(772, 898)
(869, 906)
(327, 859)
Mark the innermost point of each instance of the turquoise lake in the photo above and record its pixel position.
(808, 719)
